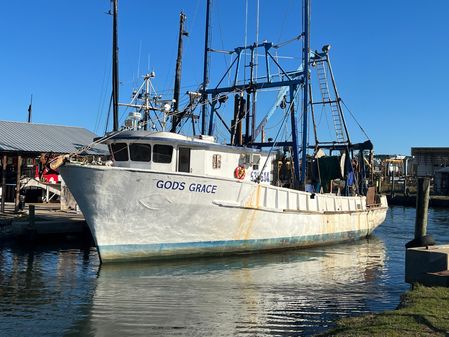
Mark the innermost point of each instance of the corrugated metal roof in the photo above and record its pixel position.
(425, 150)
(29, 137)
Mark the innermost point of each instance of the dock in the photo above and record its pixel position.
(410, 200)
(428, 266)
(48, 220)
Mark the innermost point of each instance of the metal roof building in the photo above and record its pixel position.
(18, 137)
(430, 159)
(20, 145)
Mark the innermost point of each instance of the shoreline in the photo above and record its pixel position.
(422, 311)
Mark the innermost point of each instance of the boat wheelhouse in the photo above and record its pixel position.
(200, 155)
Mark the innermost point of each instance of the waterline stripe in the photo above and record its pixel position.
(189, 249)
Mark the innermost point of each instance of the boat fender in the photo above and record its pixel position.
(58, 161)
(239, 172)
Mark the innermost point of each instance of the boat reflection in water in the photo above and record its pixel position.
(295, 292)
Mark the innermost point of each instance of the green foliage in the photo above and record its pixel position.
(424, 311)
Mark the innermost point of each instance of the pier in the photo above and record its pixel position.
(410, 200)
(41, 221)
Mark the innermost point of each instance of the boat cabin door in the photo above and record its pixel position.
(184, 159)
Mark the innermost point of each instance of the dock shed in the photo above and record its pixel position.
(430, 159)
(433, 162)
(441, 181)
(25, 148)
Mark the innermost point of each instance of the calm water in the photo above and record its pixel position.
(56, 291)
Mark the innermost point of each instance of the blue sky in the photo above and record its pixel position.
(390, 58)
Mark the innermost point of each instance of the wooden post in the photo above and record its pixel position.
(32, 213)
(4, 164)
(19, 174)
(392, 185)
(422, 207)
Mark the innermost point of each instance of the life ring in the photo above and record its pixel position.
(239, 172)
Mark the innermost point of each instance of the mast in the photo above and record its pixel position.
(306, 55)
(177, 115)
(115, 77)
(206, 67)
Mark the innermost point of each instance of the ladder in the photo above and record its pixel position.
(325, 94)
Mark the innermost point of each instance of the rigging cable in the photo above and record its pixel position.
(287, 113)
(138, 63)
(222, 46)
(109, 115)
(103, 95)
(352, 115)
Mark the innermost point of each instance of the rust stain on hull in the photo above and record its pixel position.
(248, 215)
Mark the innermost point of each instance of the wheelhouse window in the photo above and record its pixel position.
(120, 151)
(140, 152)
(183, 159)
(216, 161)
(162, 153)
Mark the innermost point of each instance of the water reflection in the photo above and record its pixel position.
(56, 290)
(42, 287)
(286, 293)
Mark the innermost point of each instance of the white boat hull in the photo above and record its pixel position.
(138, 214)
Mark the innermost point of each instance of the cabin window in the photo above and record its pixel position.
(162, 153)
(252, 158)
(184, 159)
(120, 151)
(216, 161)
(140, 152)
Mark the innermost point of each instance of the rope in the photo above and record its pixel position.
(282, 44)
(352, 115)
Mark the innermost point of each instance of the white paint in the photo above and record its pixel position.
(124, 206)
(147, 206)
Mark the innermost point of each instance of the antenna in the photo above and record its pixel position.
(30, 109)
(115, 77)
(306, 56)
(177, 116)
(206, 66)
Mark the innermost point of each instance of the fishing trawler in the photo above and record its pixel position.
(168, 195)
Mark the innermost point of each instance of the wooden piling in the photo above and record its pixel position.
(19, 174)
(4, 164)
(392, 185)
(422, 207)
(32, 214)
